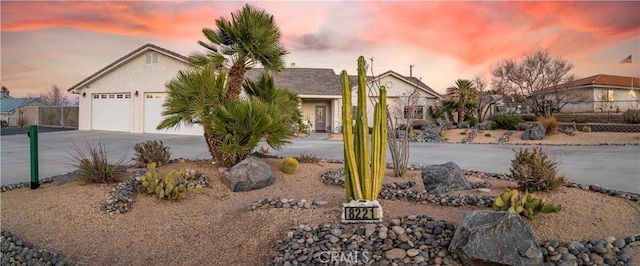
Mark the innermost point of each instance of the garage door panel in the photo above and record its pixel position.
(153, 116)
(111, 112)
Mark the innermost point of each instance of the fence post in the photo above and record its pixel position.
(33, 140)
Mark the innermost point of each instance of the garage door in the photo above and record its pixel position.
(111, 112)
(153, 116)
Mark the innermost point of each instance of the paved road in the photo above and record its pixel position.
(616, 167)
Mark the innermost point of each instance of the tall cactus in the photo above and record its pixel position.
(364, 161)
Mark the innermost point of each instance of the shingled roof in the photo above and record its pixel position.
(304, 81)
(125, 59)
(602, 80)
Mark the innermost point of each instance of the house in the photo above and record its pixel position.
(401, 106)
(127, 95)
(17, 111)
(601, 93)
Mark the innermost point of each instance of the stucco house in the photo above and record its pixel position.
(127, 95)
(17, 111)
(601, 93)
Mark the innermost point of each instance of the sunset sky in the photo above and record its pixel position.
(60, 43)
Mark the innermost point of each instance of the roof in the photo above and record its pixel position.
(127, 58)
(5, 96)
(304, 81)
(8, 105)
(602, 80)
(411, 80)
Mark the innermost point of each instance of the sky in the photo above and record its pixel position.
(62, 42)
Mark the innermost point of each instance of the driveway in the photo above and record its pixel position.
(616, 167)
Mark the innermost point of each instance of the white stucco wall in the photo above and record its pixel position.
(134, 75)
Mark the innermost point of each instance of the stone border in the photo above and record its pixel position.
(282, 203)
(14, 251)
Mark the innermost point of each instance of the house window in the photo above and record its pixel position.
(611, 95)
(151, 58)
(119, 96)
(111, 96)
(149, 95)
(96, 96)
(414, 112)
(103, 96)
(127, 96)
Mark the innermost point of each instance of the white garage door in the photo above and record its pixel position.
(111, 112)
(153, 116)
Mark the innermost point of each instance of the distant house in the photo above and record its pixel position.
(601, 93)
(127, 95)
(17, 111)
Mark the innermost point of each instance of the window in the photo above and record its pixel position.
(611, 95)
(96, 96)
(151, 58)
(119, 96)
(413, 112)
(111, 96)
(103, 96)
(127, 96)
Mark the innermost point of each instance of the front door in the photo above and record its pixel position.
(321, 112)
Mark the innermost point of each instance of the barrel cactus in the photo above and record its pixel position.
(289, 165)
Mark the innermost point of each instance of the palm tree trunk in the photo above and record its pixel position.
(460, 111)
(236, 77)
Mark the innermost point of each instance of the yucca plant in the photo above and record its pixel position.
(365, 162)
(94, 163)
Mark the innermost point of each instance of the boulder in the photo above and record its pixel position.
(536, 133)
(430, 133)
(495, 238)
(439, 122)
(464, 124)
(440, 178)
(484, 125)
(251, 173)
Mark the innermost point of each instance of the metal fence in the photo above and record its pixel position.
(58, 116)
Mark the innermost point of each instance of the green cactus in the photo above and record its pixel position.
(365, 163)
(527, 204)
(173, 186)
(289, 165)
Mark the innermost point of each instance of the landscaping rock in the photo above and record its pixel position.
(251, 173)
(430, 133)
(536, 133)
(489, 237)
(444, 178)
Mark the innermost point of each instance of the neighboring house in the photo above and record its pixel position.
(601, 93)
(127, 95)
(18, 111)
(399, 87)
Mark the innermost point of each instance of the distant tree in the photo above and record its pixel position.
(463, 93)
(251, 37)
(5, 90)
(536, 78)
(52, 97)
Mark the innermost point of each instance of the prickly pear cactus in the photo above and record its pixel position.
(173, 186)
(289, 165)
(527, 205)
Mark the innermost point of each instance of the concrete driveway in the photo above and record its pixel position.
(616, 167)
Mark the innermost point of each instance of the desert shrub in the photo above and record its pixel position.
(173, 186)
(523, 126)
(151, 151)
(529, 118)
(580, 120)
(463, 133)
(4, 123)
(94, 164)
(308, 158)
(550, 124)
(487, 135)
(402, 127)
(289, 165)
(505, 121)
(527, 205)
(586, 129)
(535, 171)
(631, 116)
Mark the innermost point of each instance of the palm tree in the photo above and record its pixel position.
(461, 94)
(192, 96)
(264, 89)
(251, 37)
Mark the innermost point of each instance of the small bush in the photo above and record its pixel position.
(487, 135)
(631, 116)
(580, 120)
(94, 165)
(505, 121)
(534, 171)
(527, 205)
(308, 158)
(463, 133)
(550, 124)
(22, 121)
(151, 151)
(523, 126)
(4, 123)
(586, 129)
(402, 127)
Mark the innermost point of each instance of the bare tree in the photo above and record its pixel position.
(52, 97)
(536, 77)
(5, 90)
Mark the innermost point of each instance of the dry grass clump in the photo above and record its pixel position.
(94, 164)
(550, 124)
(535, 171)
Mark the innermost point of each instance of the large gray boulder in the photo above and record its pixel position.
(430, 133)
(495, 238)
(251, 173)
(536, 133)
(440, 178)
